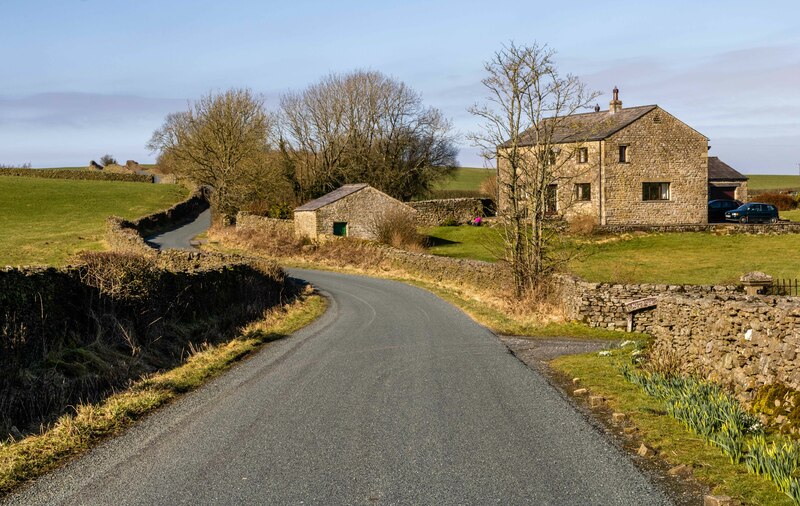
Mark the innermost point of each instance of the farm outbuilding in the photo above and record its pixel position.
(352, 210)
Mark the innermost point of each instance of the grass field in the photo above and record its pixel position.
(771, 182)
(691, 258)
(479, 243)
(45, 221)
(466, 178)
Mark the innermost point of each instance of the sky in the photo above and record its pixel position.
(82, 78)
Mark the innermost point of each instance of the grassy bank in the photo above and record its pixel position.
(602, 376)
(21, 461)
(46, 221)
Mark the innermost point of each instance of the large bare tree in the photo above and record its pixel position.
(528, 108)
(222, 141)
(364, 127)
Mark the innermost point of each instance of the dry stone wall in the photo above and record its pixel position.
(784, 227)
(739, 341)
(606, 304)
(433, 213)
(247, 221)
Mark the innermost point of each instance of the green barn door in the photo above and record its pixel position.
(340, 228)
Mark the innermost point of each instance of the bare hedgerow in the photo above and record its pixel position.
(121, 276)
(489, 187)
(398, 229)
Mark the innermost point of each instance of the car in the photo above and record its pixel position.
(753, 212)
(717, 209)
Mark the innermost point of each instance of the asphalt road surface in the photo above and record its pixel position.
(392, 397)
(181, 237)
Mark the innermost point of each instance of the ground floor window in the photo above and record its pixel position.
(583, 191)
(655, 191)
(340, 228)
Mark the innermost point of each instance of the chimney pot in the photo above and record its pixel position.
(616, 104)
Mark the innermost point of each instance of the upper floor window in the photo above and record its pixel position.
(655, 191)
(583, 155)
(623, 154)
(583, 191)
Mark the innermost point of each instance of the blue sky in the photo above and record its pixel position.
(86, 77)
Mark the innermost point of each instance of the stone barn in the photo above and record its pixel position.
(352, 210)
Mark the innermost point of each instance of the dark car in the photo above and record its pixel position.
(753, 212)
(718, 208)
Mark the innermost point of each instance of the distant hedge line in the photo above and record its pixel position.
(93, 175)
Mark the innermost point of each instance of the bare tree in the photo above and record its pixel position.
(364, 127)
(223, 142)
(529, 109)
(107, 159)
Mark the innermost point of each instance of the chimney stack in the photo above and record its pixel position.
(616, 104)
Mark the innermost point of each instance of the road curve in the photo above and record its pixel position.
(181, 237)
(393, 396)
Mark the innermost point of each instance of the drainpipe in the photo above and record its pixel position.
(600, 182)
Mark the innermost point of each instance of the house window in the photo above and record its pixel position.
(583, 191)
(583, 155)
(340, 228)
(551, 199)
(623, 154)
(655, 191)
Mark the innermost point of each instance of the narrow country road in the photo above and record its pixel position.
(392, 397)
(181, 237)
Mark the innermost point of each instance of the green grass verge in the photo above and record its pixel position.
(601, 375)
(773, 182)
(466, 178)
(45, 221)
(71, 435)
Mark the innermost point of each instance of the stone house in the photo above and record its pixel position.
(352, 210)
(725, 182)
(625, 166)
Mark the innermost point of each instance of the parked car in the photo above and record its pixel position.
(753, 212)
(718, 208)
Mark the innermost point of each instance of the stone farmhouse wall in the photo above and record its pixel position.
(660, 149)
(739, 341)
(433, 213)
(361, 211)
(604, 304)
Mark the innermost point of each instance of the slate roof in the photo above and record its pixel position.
(330, 198)
(591, 126)
(721, 171)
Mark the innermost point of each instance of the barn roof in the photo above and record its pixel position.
(721, 171)
(330, 198)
